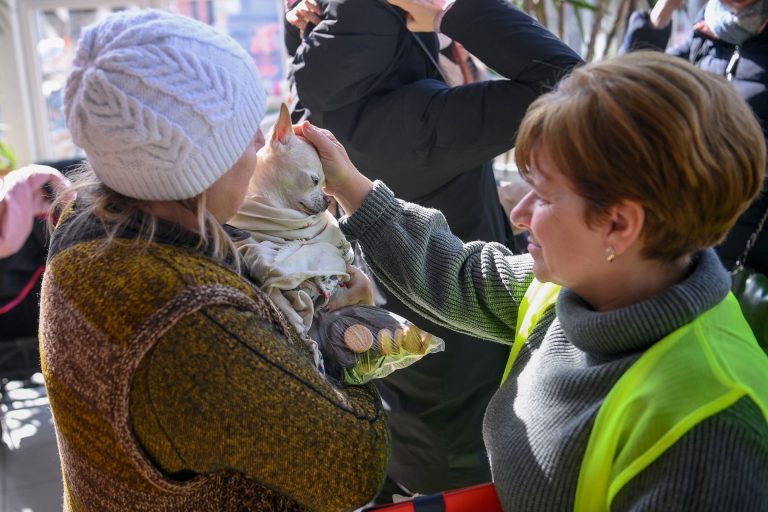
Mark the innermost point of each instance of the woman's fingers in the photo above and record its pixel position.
(303, 14)
(310, 17)
(358, 290)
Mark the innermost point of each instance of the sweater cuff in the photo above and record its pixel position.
(379, 206)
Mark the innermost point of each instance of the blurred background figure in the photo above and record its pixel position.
(26, 196)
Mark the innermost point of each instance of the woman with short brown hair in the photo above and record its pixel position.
(641, 128)
(634, 382)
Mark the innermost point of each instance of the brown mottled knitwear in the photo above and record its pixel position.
(175, 385)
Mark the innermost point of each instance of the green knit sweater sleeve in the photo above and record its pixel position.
(222, 390)
(473, 287)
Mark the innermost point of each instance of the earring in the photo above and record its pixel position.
(610, 255)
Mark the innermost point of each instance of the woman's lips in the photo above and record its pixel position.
(532, 245)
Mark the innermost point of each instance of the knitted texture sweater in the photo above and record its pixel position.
(537, 425)
(175, 385)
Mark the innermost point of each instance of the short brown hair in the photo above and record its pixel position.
(654, 129)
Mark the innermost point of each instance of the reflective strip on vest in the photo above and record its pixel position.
(695, 372)
(538, 298)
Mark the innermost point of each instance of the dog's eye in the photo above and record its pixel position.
(315, 180)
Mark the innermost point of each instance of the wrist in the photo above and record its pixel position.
(352, 194)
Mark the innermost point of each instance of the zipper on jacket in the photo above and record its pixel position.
(730, 69)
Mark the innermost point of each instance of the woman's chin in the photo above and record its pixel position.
(540, 271)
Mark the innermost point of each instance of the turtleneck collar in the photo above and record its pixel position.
(638, 326)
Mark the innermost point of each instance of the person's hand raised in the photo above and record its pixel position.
(304, 13)
(421, 14)
(36, 186)
(342, 179)
(25, 194)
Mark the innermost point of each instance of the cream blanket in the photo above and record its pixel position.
(298, 258)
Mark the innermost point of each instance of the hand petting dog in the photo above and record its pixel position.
(342, 179)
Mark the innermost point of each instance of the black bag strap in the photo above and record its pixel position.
(751, 242)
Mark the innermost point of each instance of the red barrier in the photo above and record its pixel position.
(478, 498)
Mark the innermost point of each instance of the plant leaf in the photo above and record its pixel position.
(581, 4)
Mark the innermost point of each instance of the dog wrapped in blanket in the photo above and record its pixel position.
(301, 259)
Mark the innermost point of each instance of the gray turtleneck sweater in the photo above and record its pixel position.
(537, 425)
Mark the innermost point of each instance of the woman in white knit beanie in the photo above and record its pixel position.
(174, 382)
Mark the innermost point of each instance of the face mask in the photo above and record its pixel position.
(735, 28)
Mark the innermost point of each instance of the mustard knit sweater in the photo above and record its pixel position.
(175, 385)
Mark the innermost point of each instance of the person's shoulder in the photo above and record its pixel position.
(737, 429)
(141, 278)
(183, 274)
(746, 416)
(757, 45)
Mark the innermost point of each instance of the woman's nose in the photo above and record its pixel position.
(521, 214)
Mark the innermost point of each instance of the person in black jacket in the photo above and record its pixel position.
(25, 202)
(363, 75)
(728, 38)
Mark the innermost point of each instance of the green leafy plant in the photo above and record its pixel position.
(7, 159)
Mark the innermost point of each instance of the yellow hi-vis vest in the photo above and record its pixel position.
(695, 372)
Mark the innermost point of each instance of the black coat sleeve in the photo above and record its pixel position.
(424, 132)
(347, 55)
(510, 42)
(641, 35)
(291, 38)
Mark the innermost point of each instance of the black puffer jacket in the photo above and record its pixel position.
(17, 272)
(749, 64)
(365, 77)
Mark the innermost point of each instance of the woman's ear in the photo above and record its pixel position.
(626, 221)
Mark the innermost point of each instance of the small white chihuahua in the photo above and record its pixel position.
(296, 250)
(289, 173)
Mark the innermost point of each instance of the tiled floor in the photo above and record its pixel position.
(30, 477)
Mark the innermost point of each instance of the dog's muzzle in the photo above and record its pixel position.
(319, 205)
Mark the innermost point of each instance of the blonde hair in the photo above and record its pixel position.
(654, 129)
(117, 212)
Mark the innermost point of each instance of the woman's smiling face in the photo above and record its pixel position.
(565, 249)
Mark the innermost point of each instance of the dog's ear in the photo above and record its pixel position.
(283, 130)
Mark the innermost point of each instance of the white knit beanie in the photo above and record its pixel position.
(162, 105)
